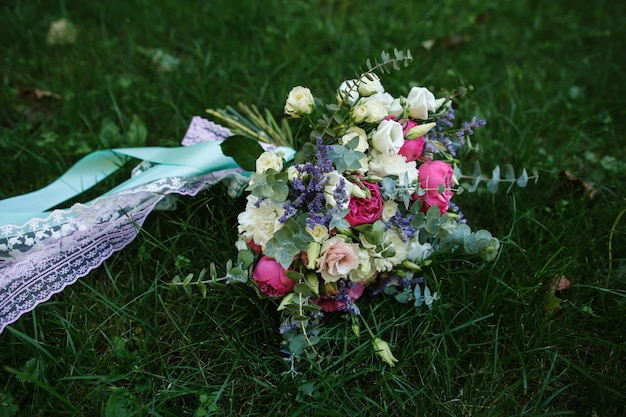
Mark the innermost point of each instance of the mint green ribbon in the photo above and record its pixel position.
(185, 161)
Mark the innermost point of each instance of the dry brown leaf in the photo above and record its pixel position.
(560, 283)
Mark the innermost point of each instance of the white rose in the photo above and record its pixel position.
(370, 84)
(348, 92)
(260, 220)
(355, 132)
(384, 165)
(269, 160)
(420, 102)
(388, 137)
(390, 208)
(300, 101)
(369, 110)
(334, 182)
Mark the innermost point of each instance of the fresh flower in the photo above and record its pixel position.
(383, 350)
(260, 220)
(330, 304)
(412, 149)
(370, 84)
(436, 178)
(364, 204)
(300, 102)
(420, 101)
(369, 110)
(337, 259)
(365, 210)
(388, 137)
(272, 278)
(269, 160)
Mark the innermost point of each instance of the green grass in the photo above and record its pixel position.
(549, 79)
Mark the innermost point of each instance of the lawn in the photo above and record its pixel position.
(549, 79)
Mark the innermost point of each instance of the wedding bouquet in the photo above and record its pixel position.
(361, 208)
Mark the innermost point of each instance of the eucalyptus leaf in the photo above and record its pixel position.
(289, 241)
(522, 180)
(494, 182)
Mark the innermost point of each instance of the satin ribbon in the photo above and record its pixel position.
(185, 161)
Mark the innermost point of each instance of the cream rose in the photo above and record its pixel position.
(369, 110)
(355, 132)
(348, 92)
(390, 208)
(370, 84)
(260, 220)
(337, 259)
(300, 101)
(269, 160)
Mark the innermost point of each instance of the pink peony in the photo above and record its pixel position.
(365, 210)
(272, 278)
(331, 304)
(432, 174)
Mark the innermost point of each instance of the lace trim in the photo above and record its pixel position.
(40, 263)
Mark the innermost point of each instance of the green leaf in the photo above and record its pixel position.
(509, 172)
(303, 289)
(243, 150)
(245, 258)
(492, 184)
(236, 274)
(345, 159)
(33, 369)
(122, 403)
(137, 133)
(523, 179)
(289, 241)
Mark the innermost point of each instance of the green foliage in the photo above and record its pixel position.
(494, 181)
(289, 241)
(243, 150)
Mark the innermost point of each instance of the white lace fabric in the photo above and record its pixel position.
(46, 254)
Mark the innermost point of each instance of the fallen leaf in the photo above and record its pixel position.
(573, 187)
(454, 40)
(61, 32)
(560, 283)
(35, 103)
(429, 43)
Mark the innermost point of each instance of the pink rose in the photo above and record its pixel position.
(412, 149)
(337, 259)
(331, 304)
(432, 174)
(365, 210)
(272, 278)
